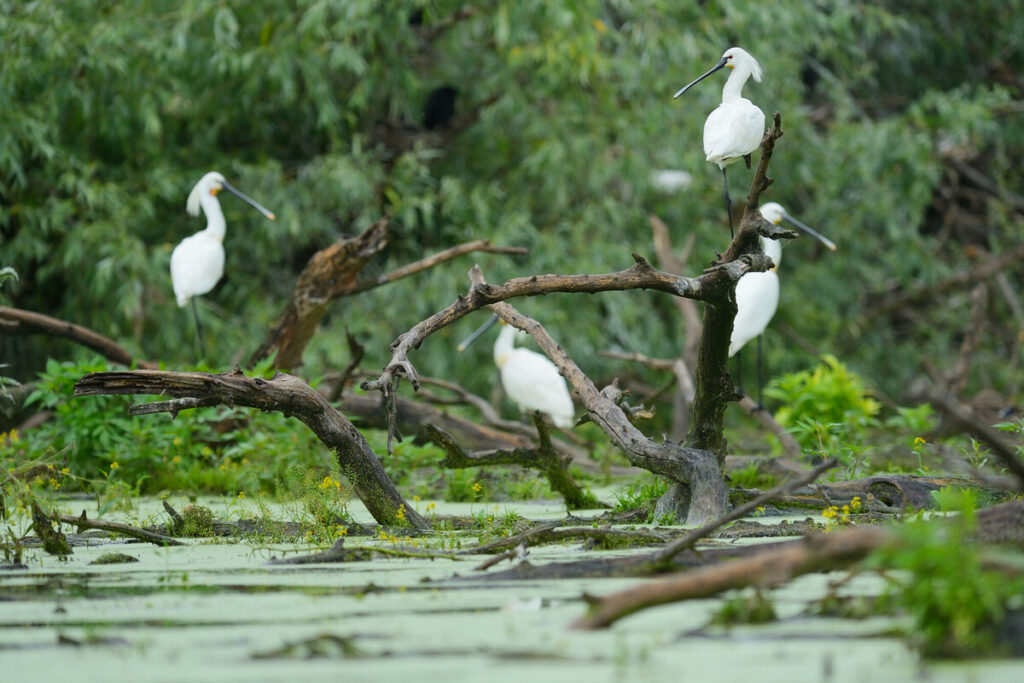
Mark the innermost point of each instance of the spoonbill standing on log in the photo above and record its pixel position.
(530, 379)
(197, 263)
(757, 294)
(735, 128)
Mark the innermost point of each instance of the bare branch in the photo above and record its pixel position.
(82, 522)
(431, 261)
(18, 321)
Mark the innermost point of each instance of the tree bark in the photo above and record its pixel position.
(333, 273)
(329, 272)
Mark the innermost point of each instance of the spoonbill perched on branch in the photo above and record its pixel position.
(530, 379)
(757, 294)
(197, 263)
(735, 128)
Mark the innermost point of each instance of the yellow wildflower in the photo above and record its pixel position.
(114, 465)
(918, 441)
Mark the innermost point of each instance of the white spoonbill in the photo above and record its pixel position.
(735, 128)
(197, 263)
(757, 294)
(530, 379)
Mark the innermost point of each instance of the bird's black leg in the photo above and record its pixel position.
(738, 384)
(199, 328)
(728, 202)
(760, 375)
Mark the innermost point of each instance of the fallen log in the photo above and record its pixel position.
(779, 563)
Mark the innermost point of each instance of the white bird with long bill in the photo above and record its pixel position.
(197, 263)
(735, 128)
(530, 379)
(757, 294)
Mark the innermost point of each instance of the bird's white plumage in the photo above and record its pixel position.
(532, 381)
(757, 298)
(733, 130)
(197, 264)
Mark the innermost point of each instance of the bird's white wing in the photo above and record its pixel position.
(532, 381)
(733, 130)
(757, 298)
(197, 264)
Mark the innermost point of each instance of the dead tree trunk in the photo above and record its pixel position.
(332, 273)
(329, 273)
(286, 394)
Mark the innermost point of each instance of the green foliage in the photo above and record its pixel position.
(828, 393)
(214, 450)
(638, 493)
(750, 477)
(825, 407)
(317, 110)
(745, 609)
(197, 521)
(956, 604)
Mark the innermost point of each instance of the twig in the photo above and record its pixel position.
(355, 357)
(83, 522)
(433, 260)
(777, 564)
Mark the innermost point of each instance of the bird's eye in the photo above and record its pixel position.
(728, 57)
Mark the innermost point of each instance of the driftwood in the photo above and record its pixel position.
(332, 273)
(83, 522)
(54, 542)
(553, 533)
(286, 394)
(18, 321)
(778, 563)
(338, 553)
